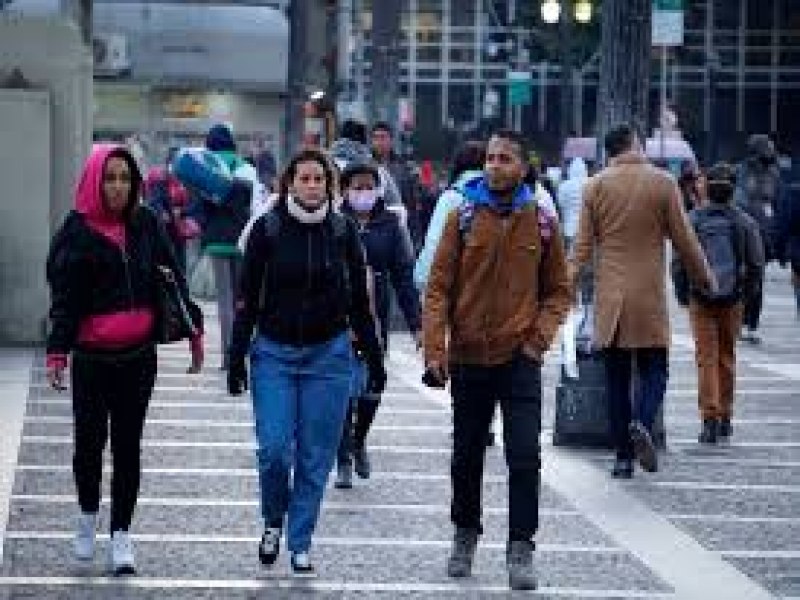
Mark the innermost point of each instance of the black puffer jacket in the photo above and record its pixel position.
(90, 275)
(303, 284)
(389, 254)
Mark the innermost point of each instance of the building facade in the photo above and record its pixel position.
(737, 73)
(166, 71)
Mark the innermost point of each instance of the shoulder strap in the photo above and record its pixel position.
(272, 229)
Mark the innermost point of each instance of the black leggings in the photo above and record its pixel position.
(357, 425)
(110, 388)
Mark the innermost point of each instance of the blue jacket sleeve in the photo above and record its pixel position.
(447, 202)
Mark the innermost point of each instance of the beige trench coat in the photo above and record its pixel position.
(629, 210)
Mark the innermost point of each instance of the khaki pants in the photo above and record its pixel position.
(716, 329)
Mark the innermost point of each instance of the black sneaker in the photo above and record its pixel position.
(725, 430)
(644, 447)
(270, 546)
(623, 469)
(301, 565)
(708, 435)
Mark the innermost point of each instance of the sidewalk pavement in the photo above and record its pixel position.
(714, 523)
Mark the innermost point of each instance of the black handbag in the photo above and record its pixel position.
(178, 318)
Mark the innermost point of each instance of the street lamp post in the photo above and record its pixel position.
(566, 13)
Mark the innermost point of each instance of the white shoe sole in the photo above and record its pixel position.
(300, 575)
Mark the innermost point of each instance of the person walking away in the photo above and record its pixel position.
(101, 271)
(570, 199)
(303, 289)
(690, 185)
(629, 209)
(390, 259)
(408, 184)
(732, 245)
(351, 147)
(222, 228)
(758, 193)
(170, 200)
(468, 162)
(788, 243)
(497, 292)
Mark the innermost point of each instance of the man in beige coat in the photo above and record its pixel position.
(629, 210)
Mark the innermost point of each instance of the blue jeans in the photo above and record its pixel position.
(652, 370)
(300, 397)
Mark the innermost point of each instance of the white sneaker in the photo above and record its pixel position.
(302, 566)
(83, 544)
(122, 562)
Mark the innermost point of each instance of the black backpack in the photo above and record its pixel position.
(722, 237)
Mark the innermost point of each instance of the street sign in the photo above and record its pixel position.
(668, 23)
(519, 88)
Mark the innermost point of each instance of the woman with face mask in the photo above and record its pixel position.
(390, 256)
(303, 289)
(102, 276)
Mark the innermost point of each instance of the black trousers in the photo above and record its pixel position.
(753, 305)
(625, 403)
(476, 390)
(110, 392)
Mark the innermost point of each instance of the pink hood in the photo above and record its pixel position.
(89, 197)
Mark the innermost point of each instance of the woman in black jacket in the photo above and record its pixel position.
(102, 271)
(391, 261)
(303, 289)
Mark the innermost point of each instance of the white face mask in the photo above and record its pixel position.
(362, 201)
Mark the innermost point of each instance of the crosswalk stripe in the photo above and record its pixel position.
(380, 542)
(281, 580)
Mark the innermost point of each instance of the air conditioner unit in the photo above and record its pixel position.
(111, 55)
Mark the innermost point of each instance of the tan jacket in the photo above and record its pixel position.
(492, 290)
(629, 210)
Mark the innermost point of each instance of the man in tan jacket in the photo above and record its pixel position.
(497, 292)
(629, 210)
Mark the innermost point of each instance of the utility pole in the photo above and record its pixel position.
(624, 65)
(295, 87)
(385, 61)
(565, 44)
(81, 12)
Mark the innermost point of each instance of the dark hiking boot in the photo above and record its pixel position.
(361, 460)
(519, 560)
(465, 542)
(708, 435)
(643, 447)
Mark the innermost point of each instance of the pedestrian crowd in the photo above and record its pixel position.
(306, 263)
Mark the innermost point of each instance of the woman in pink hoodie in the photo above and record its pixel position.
(102, 275)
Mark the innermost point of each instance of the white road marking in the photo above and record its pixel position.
(172, 538)
(278, 580)
(350, 506)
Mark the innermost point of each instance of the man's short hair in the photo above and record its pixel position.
(515, 138)
(721, 181)
(382, 126)
(354, 131)
(619, 139)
